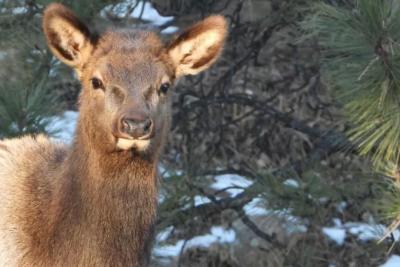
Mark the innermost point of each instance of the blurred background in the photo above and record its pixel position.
(260, 168)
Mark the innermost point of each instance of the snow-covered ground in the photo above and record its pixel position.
(232, 184)
(335, 234)
(256, 207)
(217, 235)
(363, 231)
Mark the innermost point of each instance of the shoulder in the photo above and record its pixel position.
(24, 163)
(28, 151)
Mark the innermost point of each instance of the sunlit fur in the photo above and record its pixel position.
(94, 203)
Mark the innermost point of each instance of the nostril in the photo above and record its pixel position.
(136, 128)
(147, 126)
(125, 124)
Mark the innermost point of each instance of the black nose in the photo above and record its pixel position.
(136, 128)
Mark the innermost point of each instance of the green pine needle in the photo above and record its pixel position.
(361, 60)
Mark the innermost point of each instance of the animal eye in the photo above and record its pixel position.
(97, 83)
(164, 88)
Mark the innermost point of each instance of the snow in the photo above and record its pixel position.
(223, 235)
(167, 173)
(19, 10)
(200, 200)
(368, 232)
(3, 55)
(337, 222)
(217, 235)
(291, 183)
(63, 126)
(164, 234)
(296, 227)
(393, 261)
(15, 10)
(201, 241)
(363, 231)
(341, 206)
(149, 14)
(292, 223)
(170, 30)
(335, 234)
(169, 250)
(253, 208)
(144, 10)
(161, 198)
(231, 180)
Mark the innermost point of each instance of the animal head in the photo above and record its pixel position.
(127, 75)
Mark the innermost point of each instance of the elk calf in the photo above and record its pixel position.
(94, 203)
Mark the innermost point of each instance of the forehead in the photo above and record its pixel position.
(130, 55)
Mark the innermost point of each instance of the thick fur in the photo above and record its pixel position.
(94, 204)
(59, 210)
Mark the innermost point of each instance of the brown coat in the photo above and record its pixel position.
(94, 203)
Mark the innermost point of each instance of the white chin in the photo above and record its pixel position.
(126, 144)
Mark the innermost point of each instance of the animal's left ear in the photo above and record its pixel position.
(198, 47)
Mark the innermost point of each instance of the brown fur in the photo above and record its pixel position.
(94, 204)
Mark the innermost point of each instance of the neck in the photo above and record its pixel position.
(111, 197)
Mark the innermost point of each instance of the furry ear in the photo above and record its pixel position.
(68, 38)
(198, 47)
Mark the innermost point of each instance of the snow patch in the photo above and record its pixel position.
(164, 234)
(170, 30)
(291, 183)
(231, 180)
(15, 10)
(169, 250)
(336, 234)
(337, 222)
(393, 261)
(341, 206)
(144, 10)
(292, 223)
(368, 232)
(296, 227)
(200, 200)
(363, 231)
(201, 241)
(19, 10)
(217, 235)
(3, 55)
(63, 126)
(223, 235)
(149, 13)
(253, 208)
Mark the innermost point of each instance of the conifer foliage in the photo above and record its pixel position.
(361, 61)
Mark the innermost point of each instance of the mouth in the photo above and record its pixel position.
(127, 144)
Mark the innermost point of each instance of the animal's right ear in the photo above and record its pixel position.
(68, 38)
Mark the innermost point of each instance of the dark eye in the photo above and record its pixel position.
(97, 83)
(164, 88)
